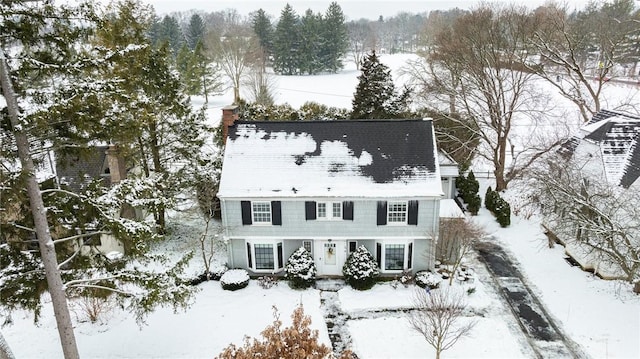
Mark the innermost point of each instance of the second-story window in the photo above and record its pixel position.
(397, 212)
(261, 212)
(329, 210)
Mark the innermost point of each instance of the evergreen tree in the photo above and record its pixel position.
(262, 27)
(171, 34)
(336, 38)
(311, 43)
(72, 99)
(158, 129)
(195, 31)
(286, 44)
(375, 95)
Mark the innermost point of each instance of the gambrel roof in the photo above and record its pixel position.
(617, 135)
(359, 158)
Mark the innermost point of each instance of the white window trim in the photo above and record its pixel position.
(406, 213)
(329, 211)
(253, 219)
(274, 243)
(311, 245)
(406, 255)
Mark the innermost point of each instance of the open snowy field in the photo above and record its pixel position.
(602, 316)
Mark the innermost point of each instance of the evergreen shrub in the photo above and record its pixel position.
(360, 270)
(234, 279)
(300, 269)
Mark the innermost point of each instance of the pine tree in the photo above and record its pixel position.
(311, 43)
(75, 99)
(171, 34)
(262, 27)
(195, 31)
(375, 95)
(336, 38)
(286, 44)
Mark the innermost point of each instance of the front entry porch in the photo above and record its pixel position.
(330, 256)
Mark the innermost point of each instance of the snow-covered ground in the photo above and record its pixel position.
(603, 317)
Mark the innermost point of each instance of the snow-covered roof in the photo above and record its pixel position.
(449, 209)
(617, 135)
(360, 158)
(448, 166)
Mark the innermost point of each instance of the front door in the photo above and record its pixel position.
(330, 257)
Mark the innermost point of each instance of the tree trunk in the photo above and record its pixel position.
(157, 168)
(5, 351)
(39, 212)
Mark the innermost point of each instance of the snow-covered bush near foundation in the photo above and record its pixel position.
(360, 270)
(234, 279)
(428, 279)
(300, 269)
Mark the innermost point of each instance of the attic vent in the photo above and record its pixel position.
(299, 160)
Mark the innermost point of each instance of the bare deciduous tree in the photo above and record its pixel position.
(457, 236)
(583, 208)
(438, 315)
(476, 68)
(579, 52)
(235, 52)
(261, 86)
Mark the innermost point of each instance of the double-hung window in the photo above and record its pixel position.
(397, 212)
(261, 212)
(329, 210)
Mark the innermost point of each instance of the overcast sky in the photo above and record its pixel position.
(353, 9)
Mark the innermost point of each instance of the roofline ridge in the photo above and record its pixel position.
(333, 121)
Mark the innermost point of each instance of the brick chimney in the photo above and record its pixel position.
(117, 168)
(229, 116)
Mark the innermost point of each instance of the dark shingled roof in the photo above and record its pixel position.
(393, 144)
(618, 138)
(359, 158)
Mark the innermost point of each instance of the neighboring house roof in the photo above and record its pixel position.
(76, 171)
(359, 158)
(617, 135)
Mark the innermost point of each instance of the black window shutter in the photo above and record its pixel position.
(276, 213)
(412, 218)
(347, 210)
(249, 259)
(246, 212)
(310, 210)
(379, 254)
(382, 213)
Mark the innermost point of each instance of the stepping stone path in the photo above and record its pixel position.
(334, 317)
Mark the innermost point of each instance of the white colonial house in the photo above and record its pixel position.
(331, 186)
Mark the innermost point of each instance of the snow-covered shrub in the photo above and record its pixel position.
(428, 279)
(300, 269)
(360, 270)
(217, 271)
(234, 279)
(267, 281)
